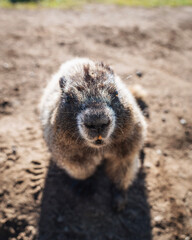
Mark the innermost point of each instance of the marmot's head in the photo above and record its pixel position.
(89, 104)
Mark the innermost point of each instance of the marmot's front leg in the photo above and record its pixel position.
(122, 172)
(79, 167)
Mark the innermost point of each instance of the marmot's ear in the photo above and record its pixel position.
(62, 82)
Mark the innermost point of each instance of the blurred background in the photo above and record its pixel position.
(77, 3)
(146, 42)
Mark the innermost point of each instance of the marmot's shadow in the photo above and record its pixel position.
(66, 215)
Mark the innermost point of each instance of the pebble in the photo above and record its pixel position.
(166, 111)
(37, 65)
(157, 164)
(14, 150)
(139, 74)
(158, 219)
(187, 238)
(148, 165)
(159, 152)
(183, 121)
(7, 66)
(61, 43)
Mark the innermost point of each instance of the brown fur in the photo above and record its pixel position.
(92, 84)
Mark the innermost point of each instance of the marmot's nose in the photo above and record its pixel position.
(96, 122)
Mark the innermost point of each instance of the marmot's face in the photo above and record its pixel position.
(91, 99)
(96, 124)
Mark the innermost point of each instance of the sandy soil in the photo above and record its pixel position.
(37, 198)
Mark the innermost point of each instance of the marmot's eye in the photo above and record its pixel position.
(68, 98)
(62, 82)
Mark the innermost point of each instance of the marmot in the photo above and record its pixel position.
(88, 115)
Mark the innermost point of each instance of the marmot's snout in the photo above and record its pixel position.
(96, 125)
(97, 122)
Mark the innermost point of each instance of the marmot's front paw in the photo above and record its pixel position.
(119, 199)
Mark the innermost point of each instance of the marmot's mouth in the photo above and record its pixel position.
(98, 142)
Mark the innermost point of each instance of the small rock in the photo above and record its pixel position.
(16, 89)
(61, 43)
(157, 164)
(172, 199)
(163, 119)
(128, 77)
(139, 74)
(148, 165)
(159, 152)
(14, 150)
(5, 103)
(183, 121)
(7, 66)
(158, 219)
(12, 230)
(187, 238)
(159, 233)
(166, 111)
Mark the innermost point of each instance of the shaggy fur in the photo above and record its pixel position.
(83, 103)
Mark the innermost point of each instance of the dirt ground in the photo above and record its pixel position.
(37, 200)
